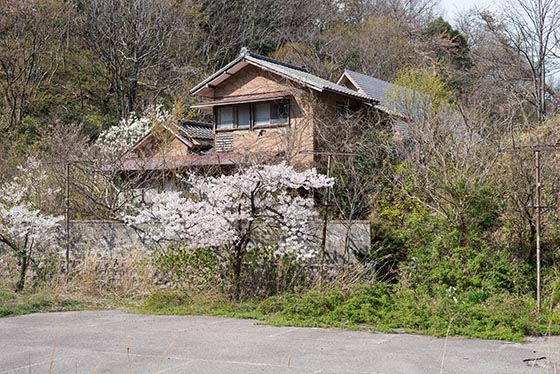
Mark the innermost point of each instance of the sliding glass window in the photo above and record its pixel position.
(259, 114)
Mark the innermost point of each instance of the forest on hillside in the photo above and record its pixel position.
(92, 62)
(453, 216)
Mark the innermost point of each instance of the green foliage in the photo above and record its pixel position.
(449, 44)
(476, 209)
(466, 263)
(12, 303)
(419, 89)
(196, 267)
(378, 307)
(179, 302)
(398, 223)
(263, 273)
(489, 315)
(451, 250)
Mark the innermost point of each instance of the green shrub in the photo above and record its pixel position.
(264, 272)
(24, 303)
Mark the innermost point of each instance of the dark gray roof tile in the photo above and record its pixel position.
(377, 89)
(198, 130)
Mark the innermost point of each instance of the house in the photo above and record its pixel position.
(272, 109)
(372, 87)
(170, 145)
(153, 162)
(262, 110)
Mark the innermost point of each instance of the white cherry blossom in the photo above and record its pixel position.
(24, 228)
(259, 205)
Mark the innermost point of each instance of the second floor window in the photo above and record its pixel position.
(254, 115)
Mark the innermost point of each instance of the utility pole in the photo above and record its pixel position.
(326, 203)
(537, 149)
(67, 215)
(67, 165)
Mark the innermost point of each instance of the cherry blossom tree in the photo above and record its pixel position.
(24, 228)
(261, 205)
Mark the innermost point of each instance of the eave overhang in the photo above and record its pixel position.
(242, 99)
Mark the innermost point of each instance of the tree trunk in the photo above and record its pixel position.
(238, 254)
(23, 264)
(132, 88)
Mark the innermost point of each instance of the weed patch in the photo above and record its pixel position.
(375, 306)
(179, 302)
(12, 303)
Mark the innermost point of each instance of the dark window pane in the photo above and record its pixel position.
(280, 112)
(225, 117)
(243, 115)
(262, 114)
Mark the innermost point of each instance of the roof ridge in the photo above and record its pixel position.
(282, 63)
(290, 71)
(366, 75)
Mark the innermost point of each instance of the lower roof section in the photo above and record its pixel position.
(182, 162)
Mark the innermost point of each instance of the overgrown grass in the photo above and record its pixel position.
(96, 281)
(48, 300)
(477, 305)
(12, 303)
(375, 307)
(178, 302)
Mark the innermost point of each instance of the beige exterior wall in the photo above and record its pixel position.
(249, 81)
(173, 148)
(313, 118)
(285, 142)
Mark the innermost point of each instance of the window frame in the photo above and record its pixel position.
(283, 119)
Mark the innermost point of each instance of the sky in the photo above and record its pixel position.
(451, 8)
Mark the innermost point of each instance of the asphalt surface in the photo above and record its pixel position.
(117, 342)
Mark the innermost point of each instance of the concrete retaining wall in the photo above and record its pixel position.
(344, 238)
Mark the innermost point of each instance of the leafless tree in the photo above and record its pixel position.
(447, 155)
(515, 178)
(31, 35)
(133, 38)
(530, 27)
(261, 25)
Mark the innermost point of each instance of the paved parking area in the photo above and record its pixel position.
(117, 342)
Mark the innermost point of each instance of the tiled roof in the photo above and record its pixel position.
(369, 85)
(372, 87)
(198, 130)
(167, 163)
(306, 78)
(292, 72)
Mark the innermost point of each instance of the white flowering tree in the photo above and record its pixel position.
(259, 205)
(24, 229)
(118, 139)
(100, 181)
